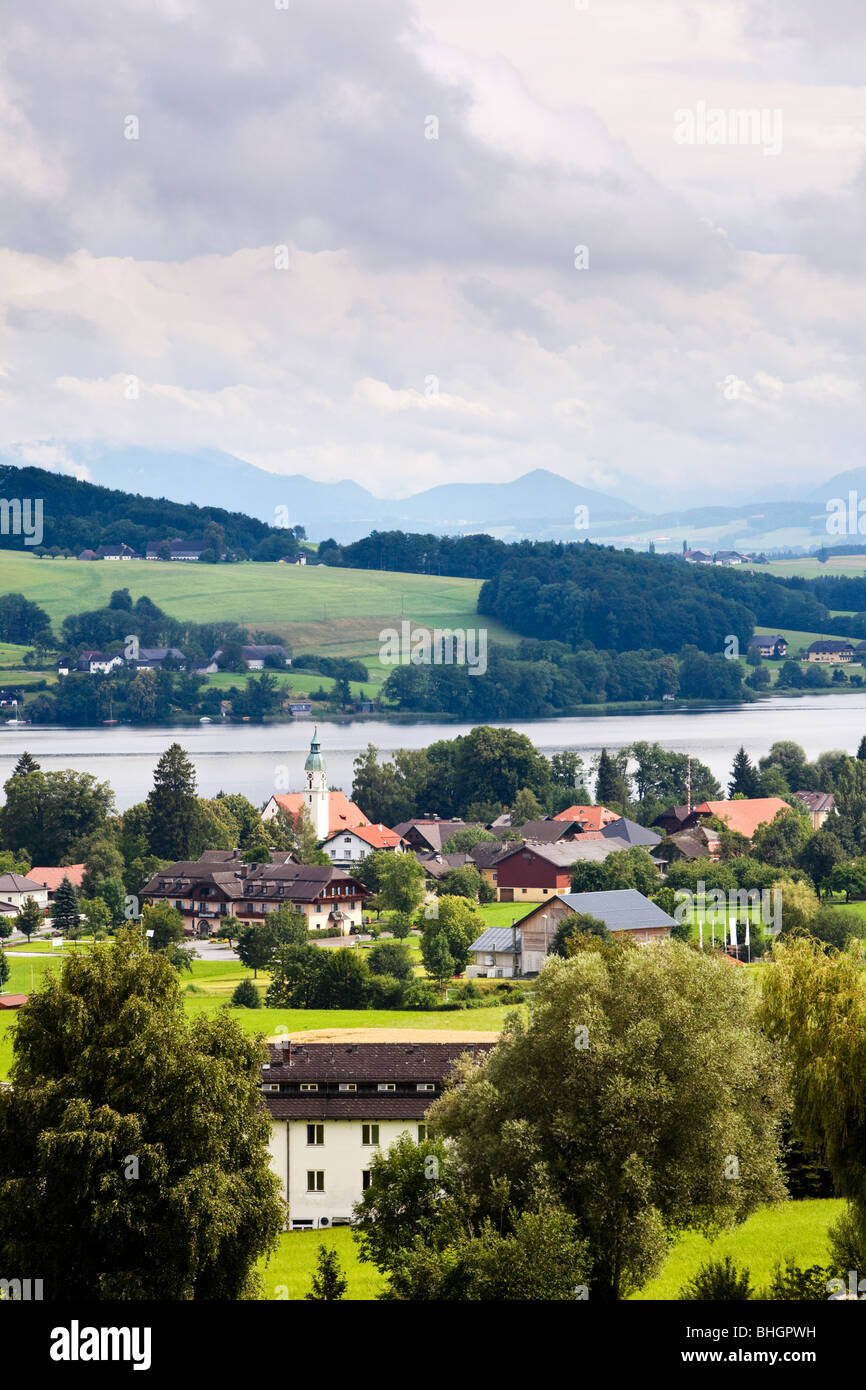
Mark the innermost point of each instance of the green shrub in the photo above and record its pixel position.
(717, 1281)
(791, 1283)
(385, 992)
(246, 996)
(420, 995)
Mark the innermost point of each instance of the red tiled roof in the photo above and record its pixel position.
(51, 878)
(378, 836)
(343, 814)
(12, 1001)
(590, 817)
(744, 816)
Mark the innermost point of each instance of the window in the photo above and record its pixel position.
(386, 1086)
(309, 1085)
(369, 1134)
(422, 1133)
(425, 1086)
(315, 1134)
(315, 1180)
(348, 1086)
(365, 1179)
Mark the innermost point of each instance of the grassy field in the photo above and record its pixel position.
(334, 612)
(809, 567)
(288, 1274)
(210, 987)
(770, 1236)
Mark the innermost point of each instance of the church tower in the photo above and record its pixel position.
(316, 794)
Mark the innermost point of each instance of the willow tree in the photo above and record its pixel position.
(814, 1004)
(133, 1143)
(642, 1093)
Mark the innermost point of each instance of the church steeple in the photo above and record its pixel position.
(316, 795)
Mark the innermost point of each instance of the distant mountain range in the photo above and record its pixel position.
(539, 505)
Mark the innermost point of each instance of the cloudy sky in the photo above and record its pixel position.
(420, 241)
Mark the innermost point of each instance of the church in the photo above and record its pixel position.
(329, 810)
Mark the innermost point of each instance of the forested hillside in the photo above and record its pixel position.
(78, 515)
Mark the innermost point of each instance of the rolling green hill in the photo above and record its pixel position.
(331, 612)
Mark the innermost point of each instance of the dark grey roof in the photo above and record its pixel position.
(831, 646)
(385, 1061)
(625, 829)
(817, 801)
(487, 853)
(621, 909)
(548, 830)
(254, 653)
(496, 939)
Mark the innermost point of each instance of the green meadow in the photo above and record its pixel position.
(209, 988)
(797, 1229)
(331, 612)
(769, 1237)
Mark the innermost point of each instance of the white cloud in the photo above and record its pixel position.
(413, 261)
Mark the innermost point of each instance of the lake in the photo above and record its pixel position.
(260, 759)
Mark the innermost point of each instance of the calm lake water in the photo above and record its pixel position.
(258, 760)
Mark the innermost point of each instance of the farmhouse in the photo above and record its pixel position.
(774, 647)
(116, 552)
(531, 871)
(329, 810)
(93, 661)
(830, 651)
(221, 884)
(333, 1106)
(173, 550)
(159, 658)
(621, 910)
(255, 657)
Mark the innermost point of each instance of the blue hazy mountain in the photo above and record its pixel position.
(538, 504)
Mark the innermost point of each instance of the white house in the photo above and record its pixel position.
(348, 847)
(15, 889)
(333, 1106)
(98, 662)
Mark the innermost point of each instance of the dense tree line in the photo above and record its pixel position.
(622, 601)
(541, 679)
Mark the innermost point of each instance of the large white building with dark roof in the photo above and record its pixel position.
(334, 1105)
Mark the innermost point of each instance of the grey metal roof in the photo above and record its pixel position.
(496, 939)
(621, 909)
